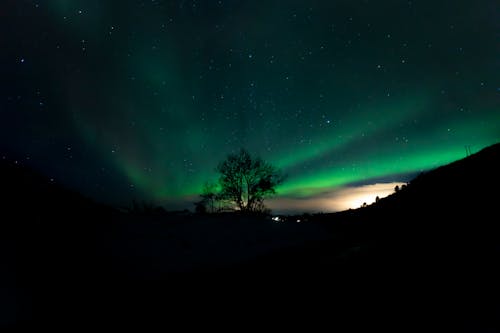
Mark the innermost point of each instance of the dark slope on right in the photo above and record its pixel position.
(459, 199)
(426, 256)
(441, 236)
(451, 208)
(445, 216)
(467, 188)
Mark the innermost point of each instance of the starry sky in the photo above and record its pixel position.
(132, 99)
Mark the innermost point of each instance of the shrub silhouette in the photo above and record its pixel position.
(145, 208)
(200, 207)
(209, 197)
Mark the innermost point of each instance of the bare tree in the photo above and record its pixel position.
(246, 181)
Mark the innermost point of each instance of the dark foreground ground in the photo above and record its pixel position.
(424, 259)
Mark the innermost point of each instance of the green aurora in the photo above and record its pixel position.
(141, 100)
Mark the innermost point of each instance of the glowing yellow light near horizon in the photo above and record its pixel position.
(335, 200)
(358, 196)
(363, 199)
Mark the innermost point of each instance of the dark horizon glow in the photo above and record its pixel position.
(126, 100)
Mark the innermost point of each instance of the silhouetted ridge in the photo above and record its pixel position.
(446, 211)
(433, 246)
(31, 197)
(459, 190)
(49, 238)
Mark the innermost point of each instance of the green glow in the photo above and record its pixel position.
(159, 92)
(443, 146)
(344, 175)
(370, 119)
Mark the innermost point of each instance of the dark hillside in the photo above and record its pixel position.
(423, 257)
(433, 247)
(47, 237)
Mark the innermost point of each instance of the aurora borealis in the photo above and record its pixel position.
(131, 99)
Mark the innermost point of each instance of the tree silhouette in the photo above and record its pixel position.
(246, 181)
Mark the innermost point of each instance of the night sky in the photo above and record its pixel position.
(125, 100)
